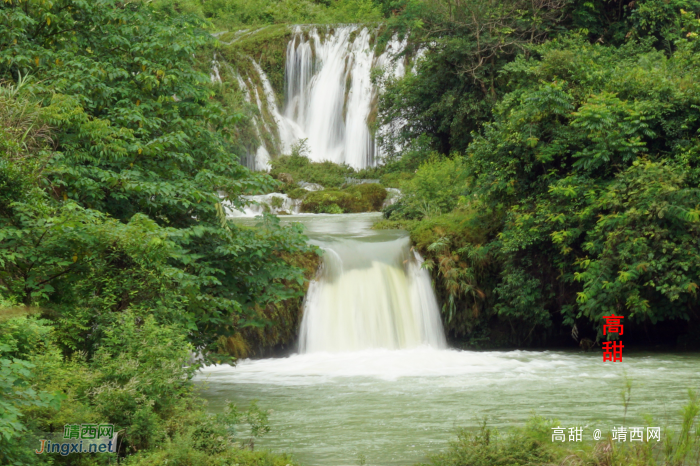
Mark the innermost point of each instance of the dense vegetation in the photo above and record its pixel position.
(232, 14)
(548, 163)
(334, 189)
(534, 445)
(117, 264)
(557, 167)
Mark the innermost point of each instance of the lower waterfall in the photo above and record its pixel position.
(370, 295)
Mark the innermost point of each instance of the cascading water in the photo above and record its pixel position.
(330, 92)
(370, 295)
(373, 375)
(329, 96)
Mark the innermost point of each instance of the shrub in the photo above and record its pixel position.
(373, 193)
(362, 198)
(327, 174)
(435, 189)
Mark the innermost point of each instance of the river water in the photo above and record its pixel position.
(340, 399)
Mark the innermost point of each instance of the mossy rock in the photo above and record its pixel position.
(266, 45)
(287, 314)
(333, 201)
(374, 194)
(362, 198)
(297, 193)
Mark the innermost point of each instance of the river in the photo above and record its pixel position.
(397, 396)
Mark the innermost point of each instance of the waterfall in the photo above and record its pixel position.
(370, 295)
(274, 203)
(329, 97)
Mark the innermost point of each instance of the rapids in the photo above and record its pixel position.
(373, 377)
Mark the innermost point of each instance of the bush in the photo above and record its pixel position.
(435, 189)
(373, 193)
(138, 380)
(327, 174)
(333, 201)
(361, 198)
(227, 13)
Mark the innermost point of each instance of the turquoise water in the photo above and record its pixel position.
(397, 407)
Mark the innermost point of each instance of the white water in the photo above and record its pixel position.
(376, 380)
(274, 203)
(370, 295)
(329, 95)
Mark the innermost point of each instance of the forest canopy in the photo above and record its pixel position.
(116, 162)
(547, 154)
(575, 129)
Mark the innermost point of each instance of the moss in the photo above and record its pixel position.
(362, 198)
(460, 227)
(267, 46)
(332, 201)
(285, 316)
(374, 194)
(297, 193)
(395, 225)
(235, 345)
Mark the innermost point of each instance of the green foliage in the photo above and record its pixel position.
(359, 198)
(435, 189)
(643, 248)
(17, 394)
(372, 193)
(571, 163)
(181, 452)
(486, 447)
(116, 153)
(118, 206)
(459, 78)
(464, 269)
(225, 14)
(532, 445)
(138, 380)
(582, 166)
(283, 317)
(301, 168)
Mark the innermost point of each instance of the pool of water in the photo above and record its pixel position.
(397, 407)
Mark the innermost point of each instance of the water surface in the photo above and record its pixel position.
(396, 407)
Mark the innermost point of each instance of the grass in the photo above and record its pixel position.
(533, 446)
(225, 14)
(300, 168)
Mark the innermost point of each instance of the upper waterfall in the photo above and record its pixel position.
(329, 96)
